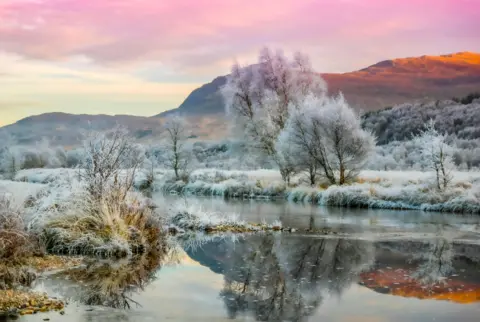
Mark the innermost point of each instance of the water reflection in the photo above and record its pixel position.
(277, 277)
(287, 277)
(304, 216)
(111, 283)
(435, 262)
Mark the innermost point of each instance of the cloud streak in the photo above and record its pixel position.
(187, 33)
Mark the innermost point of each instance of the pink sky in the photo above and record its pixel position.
(99, 47)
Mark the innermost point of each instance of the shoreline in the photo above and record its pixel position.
(18, 302)
(348, 196)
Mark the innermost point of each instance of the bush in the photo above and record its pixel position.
(14, 240)
(15, 247)
(112, 226)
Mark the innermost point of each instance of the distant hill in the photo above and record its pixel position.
(378, 86)
(66, 129)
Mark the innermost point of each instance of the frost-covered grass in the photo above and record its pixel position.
(372, 189)
(69, 221)
(194, 218)
(56, 176)
(19, 192)
(108, 227)
(228, 184)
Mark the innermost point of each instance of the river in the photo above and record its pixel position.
(380, 266)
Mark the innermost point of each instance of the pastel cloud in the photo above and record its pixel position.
(120, 54)
(192, 32)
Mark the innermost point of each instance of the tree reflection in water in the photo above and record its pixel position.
(277, 277)
(436, 262)
(111, 283)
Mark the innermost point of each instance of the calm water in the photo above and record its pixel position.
(386, 266)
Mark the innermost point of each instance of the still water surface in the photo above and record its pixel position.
(383, 266)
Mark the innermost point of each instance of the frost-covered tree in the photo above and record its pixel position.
(111, 161)
(329, 132)
(437, 154)
(259, 98)
(287, 157)
(295, 158)
(177, 156)
(10, 161)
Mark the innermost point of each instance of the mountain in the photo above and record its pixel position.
(203, 100)
(66, 129)
(372, 88)
(383, 84)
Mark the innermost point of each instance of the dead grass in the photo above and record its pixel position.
(112, 226)
(14, 302)
(15, 247)
(53, 262)
(15, 242)
(13, 275)
(463, 185)
(362, 180)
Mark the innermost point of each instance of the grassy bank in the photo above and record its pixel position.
(408, 190)
(372, 189)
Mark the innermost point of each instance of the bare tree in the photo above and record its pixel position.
(177, 156)
(112, 160)
(328, 135)
(437, 154)
(286, 157)
(259, 98)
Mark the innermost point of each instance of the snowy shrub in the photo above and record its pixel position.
(96, 212)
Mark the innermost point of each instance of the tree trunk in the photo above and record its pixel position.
(342, 175)
(312, 176)
(438, 178)
(177, 177)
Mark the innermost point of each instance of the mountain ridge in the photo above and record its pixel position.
(377, 86)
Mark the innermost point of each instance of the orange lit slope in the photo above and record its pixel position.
(400, 80)
(398, 282)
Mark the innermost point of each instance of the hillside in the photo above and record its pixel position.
(404, 120)
(66, 129)
(383, 84)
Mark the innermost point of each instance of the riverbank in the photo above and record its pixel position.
(24, 301)
(400, 190)
(372, 189)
